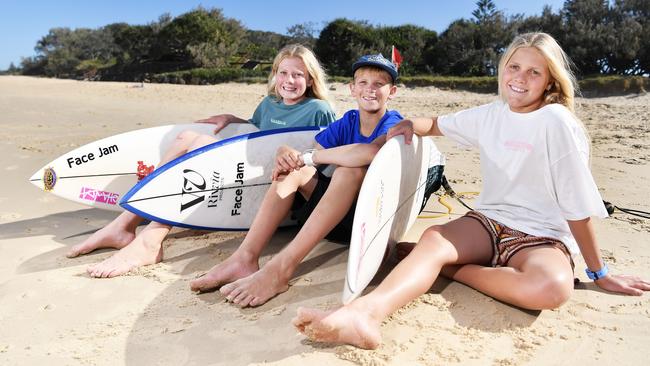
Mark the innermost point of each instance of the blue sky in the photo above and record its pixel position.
(24, 22)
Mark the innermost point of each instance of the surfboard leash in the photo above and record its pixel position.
(451, 193)
(611, 208)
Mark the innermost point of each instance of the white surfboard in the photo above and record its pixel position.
(388, 204)
(98, 174)
(217, 187)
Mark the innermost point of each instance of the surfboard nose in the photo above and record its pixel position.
(37, 178)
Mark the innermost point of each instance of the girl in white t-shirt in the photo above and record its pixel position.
(531, 218)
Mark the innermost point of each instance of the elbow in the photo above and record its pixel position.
(371, 151)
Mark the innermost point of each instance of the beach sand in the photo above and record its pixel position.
(52, 313)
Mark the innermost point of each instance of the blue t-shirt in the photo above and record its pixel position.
(272, 113)
(347, 130)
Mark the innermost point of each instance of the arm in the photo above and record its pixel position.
(353, 155)
(288, 159)
(419, 126)
(222, 120)
(583, 232)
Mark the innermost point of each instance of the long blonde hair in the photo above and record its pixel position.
(318, 89)
(563, 85)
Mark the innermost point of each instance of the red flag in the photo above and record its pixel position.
(396, 57)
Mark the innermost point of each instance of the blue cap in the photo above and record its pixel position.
(376, 61)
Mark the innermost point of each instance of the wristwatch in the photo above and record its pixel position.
(308, 157)
(599, 273)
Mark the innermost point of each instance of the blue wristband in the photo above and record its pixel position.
(598, 274)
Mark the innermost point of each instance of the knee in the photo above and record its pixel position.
(190, 140)
(295, 179)
(350, 175)
(548, 292)
(186, 136)
(200, 141)
(433, 241)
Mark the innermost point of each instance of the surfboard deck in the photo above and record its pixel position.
(99, 173)
(217, 187)
(389, 202)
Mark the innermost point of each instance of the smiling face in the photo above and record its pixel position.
(292, 80)
(524, 79)
(372, 89)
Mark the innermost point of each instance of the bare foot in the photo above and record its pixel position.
(227, 271)
(104, 238)
(257, 288)
(140, 252)
(118, 234)
(347, 325)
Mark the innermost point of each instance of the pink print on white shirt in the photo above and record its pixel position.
(518, 145)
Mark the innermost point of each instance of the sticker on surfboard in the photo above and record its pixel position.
(99, 173)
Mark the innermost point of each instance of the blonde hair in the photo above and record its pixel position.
(563, 82)
(318, 89)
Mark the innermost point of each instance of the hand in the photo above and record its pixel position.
(287, 160)
(404, 127)
(220, 121)
(624, 284)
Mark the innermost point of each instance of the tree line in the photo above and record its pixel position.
(600, 36)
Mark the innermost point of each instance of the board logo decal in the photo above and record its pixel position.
(86, 158)
(144, 170)
(94, 195)
(239, 192)
(193, 188)
(217, 193)
(49, 179)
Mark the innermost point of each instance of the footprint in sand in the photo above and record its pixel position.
(9, 216)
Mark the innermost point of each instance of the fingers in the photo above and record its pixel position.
(404, 128)
(219, 127)
(289, 162)
(625, 284)
(408, 136)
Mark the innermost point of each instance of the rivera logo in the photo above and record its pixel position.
(193, 189)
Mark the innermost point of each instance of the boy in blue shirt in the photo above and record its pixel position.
(323, 206)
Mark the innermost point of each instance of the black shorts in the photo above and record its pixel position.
(302, 209)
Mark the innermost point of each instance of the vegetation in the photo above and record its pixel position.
(203, 46)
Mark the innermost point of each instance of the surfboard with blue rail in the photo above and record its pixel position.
(389, 202)
(216, 187)
(99, 173)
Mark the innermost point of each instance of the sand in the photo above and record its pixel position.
(52, 313)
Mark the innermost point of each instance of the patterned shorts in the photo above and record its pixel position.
(506, 242)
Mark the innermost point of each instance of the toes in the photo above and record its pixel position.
(73, 253)
(198, 284)
(239, 298)
(226, 289)
(257, 301)
(247, 301)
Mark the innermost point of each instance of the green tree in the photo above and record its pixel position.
(260, 45)
(303, 33)
(638, 11)
(588, 30)
(456, 50)
(547, 22)
(199, 38)
(342, 41)
(413, 43)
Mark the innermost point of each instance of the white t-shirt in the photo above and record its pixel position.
(535, 167)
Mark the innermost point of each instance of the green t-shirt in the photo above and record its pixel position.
(271, 113)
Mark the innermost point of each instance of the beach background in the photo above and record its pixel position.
(52, 313)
